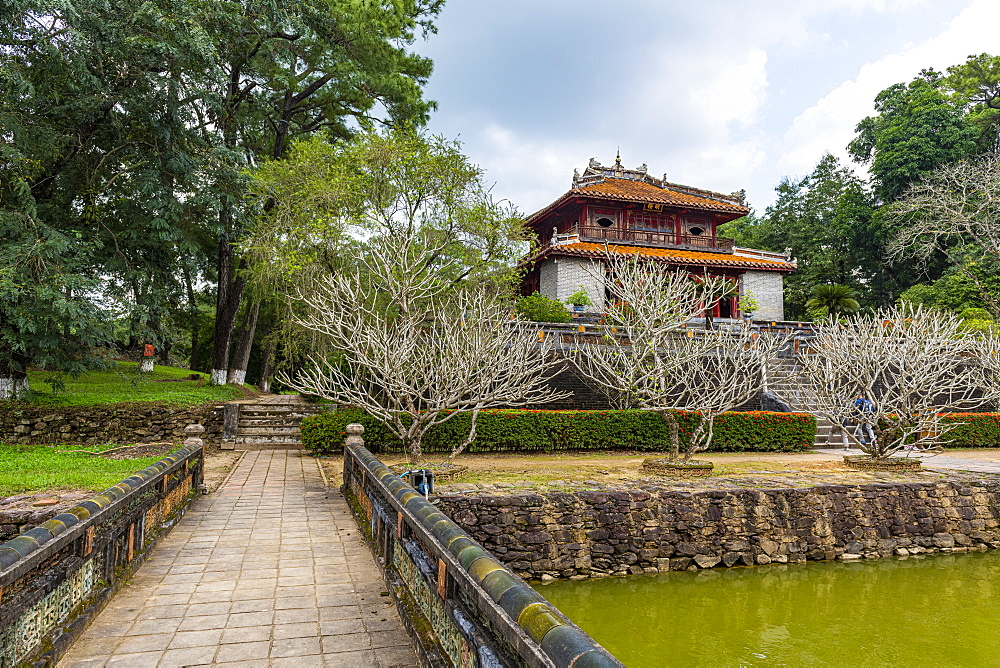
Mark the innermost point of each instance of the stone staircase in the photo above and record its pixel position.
(269, 423)
(783, 381)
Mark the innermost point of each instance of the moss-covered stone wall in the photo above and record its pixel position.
(596, 534)
(134, 423)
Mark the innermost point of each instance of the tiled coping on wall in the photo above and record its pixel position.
(474, 612)
(55, 577)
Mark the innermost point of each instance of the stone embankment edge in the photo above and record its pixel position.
(596, 534)
(30, 564)
(539, 633)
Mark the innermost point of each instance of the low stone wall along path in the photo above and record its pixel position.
(265, 572)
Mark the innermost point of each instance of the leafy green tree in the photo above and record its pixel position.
(293, 69)
(954, 213)
(133, 124)
(917, 127)
(325, 204)
(954, 291)
(85, 133)
(832, 301)
(975, 85)
(828, 220)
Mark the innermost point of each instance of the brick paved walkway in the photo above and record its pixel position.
(267, 571)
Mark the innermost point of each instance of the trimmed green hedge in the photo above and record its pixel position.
(980, 430)
(547, 431)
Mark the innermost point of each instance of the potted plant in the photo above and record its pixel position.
(579, 300)
(747, 305)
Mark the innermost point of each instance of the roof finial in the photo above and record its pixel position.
(618, 159)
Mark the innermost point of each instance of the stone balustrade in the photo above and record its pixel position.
(55, 577)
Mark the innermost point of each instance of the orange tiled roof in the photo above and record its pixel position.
(641, 191)
(637, 185)
(673, 256)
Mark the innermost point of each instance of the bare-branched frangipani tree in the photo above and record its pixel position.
(647, 361)
(955, 211)
(910, 363)
(413, 352)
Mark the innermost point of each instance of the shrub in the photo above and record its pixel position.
(539, 308)
(979, 430)
(548, 431)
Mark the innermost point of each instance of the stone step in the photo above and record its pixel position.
(267, 438)
(252, 409)
(264, 430)
(269, 446)
(251, 415)
(266, 421)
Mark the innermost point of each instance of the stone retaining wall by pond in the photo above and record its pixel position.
(139, 423)
(595, 534)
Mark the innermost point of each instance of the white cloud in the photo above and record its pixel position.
(798, 24)
(529, 173)
(688, 118)
(694, 117)
(829, 124)
(707, 97)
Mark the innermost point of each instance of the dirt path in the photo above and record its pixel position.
(218, 464)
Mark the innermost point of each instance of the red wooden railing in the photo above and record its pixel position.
(656, 238)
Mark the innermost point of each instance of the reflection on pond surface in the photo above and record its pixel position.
(939, 610)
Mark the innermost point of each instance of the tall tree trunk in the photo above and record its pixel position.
(193, 315)
(244, 342)
(266, 366)
(227, 304)
(164, 352)
(674, 431)
(13, 376)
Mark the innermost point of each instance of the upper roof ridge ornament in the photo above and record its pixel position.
(596, 173)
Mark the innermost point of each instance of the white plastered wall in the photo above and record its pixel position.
(767, 287)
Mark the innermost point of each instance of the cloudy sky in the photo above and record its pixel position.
(717, 94)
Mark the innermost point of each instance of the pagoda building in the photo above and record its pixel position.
(618, 210)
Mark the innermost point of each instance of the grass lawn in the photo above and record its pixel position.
(124, 384)
(42, 468)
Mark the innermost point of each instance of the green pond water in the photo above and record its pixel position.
(940, 610)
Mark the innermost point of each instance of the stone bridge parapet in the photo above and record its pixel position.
(55, 577)
(474, 611)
